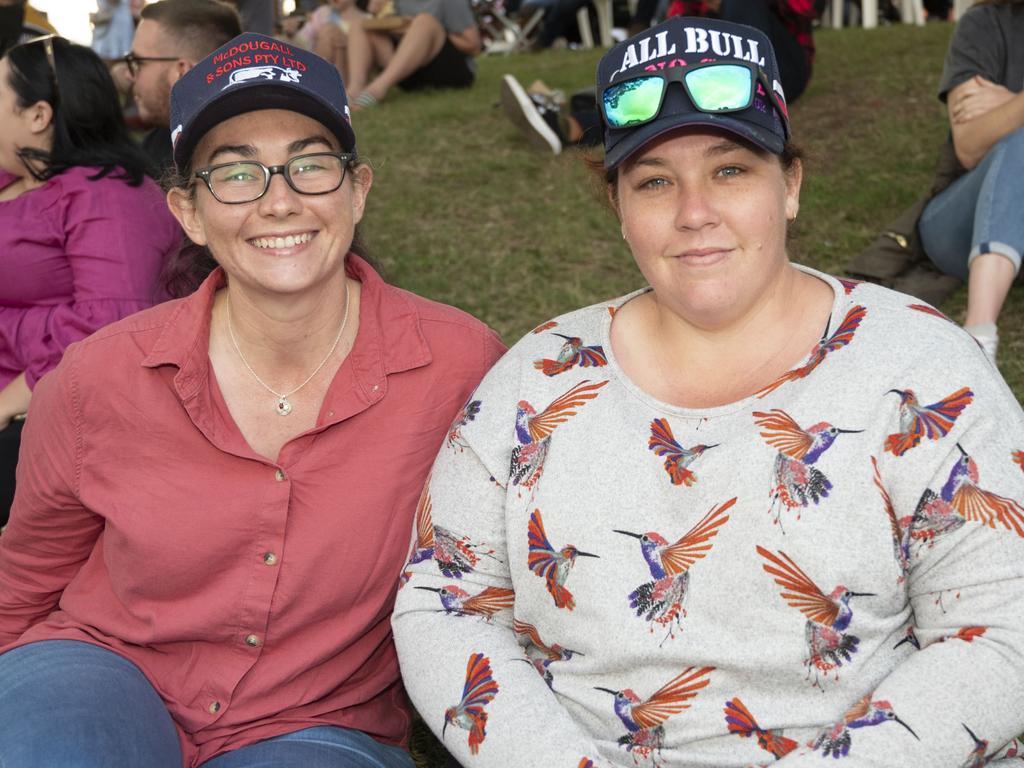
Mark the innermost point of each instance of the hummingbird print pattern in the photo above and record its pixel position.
(470, 714)
(454, 555)
(829, 641)
(660, 601)
(693, 571)
(677, 459)
(1018, 458)
(550, 653)
(533, 430)
(742, 723)
(848, 284)
(544, 327)
(645, 719)
(961, 499)
(458, 602)
(572, 354)
(900, 527)
(836, 741)
(797, 481)
(585, 762)
(552, 565)
(910, 638)
(925, 421)
(464, 416)
(930, 310)
(837, 341)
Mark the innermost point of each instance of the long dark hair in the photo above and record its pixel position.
(193, 263)
(88, 126)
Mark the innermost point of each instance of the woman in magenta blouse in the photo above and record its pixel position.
(83, 233)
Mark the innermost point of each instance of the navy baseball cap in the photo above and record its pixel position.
(683, 41)
(255, 72)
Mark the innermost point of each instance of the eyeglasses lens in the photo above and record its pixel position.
(316, 174)
(238, 182)
(634, 101)
(718, 88)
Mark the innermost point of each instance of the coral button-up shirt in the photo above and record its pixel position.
(255, 596)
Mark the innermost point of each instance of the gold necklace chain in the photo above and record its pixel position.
(283, 407)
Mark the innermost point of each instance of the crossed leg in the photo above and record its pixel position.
(422, 41)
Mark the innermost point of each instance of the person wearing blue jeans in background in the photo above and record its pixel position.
(974, 229)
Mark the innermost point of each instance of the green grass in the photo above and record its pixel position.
(464, 211)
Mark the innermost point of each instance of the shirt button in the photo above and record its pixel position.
(279, 475)
(269, 558)
(214, 707)
(252, 640)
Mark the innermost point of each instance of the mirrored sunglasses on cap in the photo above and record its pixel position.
(714, 87)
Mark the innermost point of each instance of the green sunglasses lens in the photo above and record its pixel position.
(721, 87)
(634, 101)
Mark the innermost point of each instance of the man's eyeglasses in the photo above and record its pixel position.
(51, 60)
(244, 181)
(135, 62)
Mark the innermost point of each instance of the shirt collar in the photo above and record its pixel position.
(390, 337)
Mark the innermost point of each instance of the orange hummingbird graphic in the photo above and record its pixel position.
(843, 336)
(533, 430)
(829, 641)
(454, 555)
(900, 528)
(925, 421)
(962, 499)
(742, 723)
(469, 714)
(552, 565)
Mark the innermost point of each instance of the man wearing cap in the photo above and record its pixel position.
(171, 37)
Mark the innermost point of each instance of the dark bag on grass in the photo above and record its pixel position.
(896, 258)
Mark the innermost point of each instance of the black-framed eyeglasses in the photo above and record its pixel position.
(135, 61)
(51, 59)
(244, 181)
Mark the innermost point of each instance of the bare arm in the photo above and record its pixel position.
(467, 41)
(981, 113)
(14, 399)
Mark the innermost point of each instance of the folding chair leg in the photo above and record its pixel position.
(583, 21)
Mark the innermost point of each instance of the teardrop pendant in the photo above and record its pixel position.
(283, 407)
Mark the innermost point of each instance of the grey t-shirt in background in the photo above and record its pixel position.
(988, 41)
(454, 15)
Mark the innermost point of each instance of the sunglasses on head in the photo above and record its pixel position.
(51, 60)
(715, 87)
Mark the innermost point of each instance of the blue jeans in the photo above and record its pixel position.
(979, 212)
(74, 705)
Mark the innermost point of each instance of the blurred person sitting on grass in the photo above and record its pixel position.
(415, 44)
(973, 227)
(171, 37)
(215, 495)
(83, 232)
(749, 513)
(20, 22)
(326, 31)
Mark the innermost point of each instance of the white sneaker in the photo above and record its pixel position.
(521, 110)
(987, 337)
